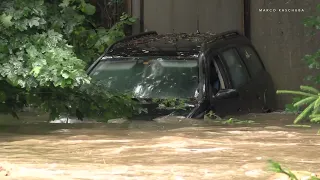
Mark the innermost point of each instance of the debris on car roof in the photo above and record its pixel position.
(152, 44)
(169, 38)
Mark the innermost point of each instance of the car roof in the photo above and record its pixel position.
(175, 44)
(153, 44)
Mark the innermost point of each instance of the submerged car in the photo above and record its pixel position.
(221, 73)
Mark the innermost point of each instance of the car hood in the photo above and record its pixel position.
(152, 108)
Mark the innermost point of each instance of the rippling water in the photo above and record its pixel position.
(168, 149)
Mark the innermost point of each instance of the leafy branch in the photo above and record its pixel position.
(276, 167)
(45, 47)
(310, 99)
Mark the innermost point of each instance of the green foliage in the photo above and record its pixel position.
(312, 60)
(87, 101)
(234, 121)
(174, 103)
(291, 108)
(276, 167)
(211, 115)
(91, 101)
(106, 38)
(310, 100)
(313, 64)
(313, 21)
(45, 47)
(32, 54)
(73, 20)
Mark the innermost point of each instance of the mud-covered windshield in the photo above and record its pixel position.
(145, 77)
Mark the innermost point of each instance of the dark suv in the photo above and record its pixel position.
(222, 73)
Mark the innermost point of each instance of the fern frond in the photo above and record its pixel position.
(317, 104)
(276, 167)
(296, 93)
(314, 115)
(305, 101)
(310, 89)
(304, 113)
(315, 119)
(316, 112)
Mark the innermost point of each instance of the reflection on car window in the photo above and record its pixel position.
(237, 70)
(149, 77)
(251, 59)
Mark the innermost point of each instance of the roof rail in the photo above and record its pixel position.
(129, 38)
(224, 35)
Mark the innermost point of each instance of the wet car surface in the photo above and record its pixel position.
(222, 73)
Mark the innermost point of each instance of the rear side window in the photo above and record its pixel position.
(238, 72)
(251, 59)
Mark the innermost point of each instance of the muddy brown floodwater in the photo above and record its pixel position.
(150, 150)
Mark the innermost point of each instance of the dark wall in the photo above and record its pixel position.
(167, 16)
(281, 40)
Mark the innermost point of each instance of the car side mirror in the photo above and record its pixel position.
(227, 94)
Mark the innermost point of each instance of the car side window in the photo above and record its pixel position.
(237, 69)
(252, 60)
(221, 81)
(201, 86)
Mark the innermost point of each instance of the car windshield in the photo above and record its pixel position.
(149, 77)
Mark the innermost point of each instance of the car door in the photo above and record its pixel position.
(263, 91)
(233, 98)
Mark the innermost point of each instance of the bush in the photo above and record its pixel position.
(311, 98)
(45, 47)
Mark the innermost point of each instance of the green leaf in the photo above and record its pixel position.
(123, 17)
(310, 89)
(315, 119)
(6, 20)
(36, 70)
(317, 103)
(32, 51)
(88, 9)
(65, 3)
(132, 19)
(304, 101)
(35, 21)
(65, 75)
(290, 108)
(295, 93)
(304, 113)
(276, 167)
